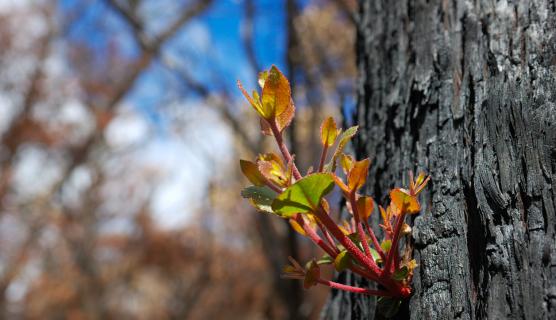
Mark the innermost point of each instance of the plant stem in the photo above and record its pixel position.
(394, 248)
(314, 236)
(353, 289)
(347, 243)
(283, 148)
(375, 241)
(327, 236)
(323, 157)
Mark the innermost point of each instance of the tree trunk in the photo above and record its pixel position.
(466, 91)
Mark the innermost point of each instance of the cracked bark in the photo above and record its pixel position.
(465, 90)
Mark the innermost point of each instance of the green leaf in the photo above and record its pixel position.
(342, 261)
(260, 197)
(376, 256)
(386, 245)
(388, 307)
(400, 274)
(304, 195)
(344, 139)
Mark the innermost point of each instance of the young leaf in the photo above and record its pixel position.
(276, 97)
(376, 255)
(328, 132)
(312, 275)
(285, 118)
(358, 174)
(262, 78)
(304, 195)
(405, 202)
(251, 172)
(386, 245)
(365, 206)
(260, 197)
(342, 261)
(346, 162)
(344, 139)
(254, 101)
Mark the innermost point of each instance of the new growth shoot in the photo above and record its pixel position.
(280, 189)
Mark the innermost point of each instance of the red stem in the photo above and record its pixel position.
(314, 236)
(375, 241)
(327, 236)
(323, 157)
(394, 248)
(347, 243)
(344, 287)
(283, 149)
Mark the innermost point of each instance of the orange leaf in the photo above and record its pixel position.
(285, 118)
(297, 227)
(340, 183)
(404, 201)
(251, 172)
(358, 174)
(276, 97)
(365, 206)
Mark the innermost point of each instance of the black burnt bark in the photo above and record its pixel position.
(466, 91)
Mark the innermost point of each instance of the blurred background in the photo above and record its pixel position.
(121, 128)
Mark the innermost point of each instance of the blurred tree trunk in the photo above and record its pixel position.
(465, 90)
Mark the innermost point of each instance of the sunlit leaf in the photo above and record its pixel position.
(260, 197)
(262, 78)
(344, 138)
(272, 168)
(251, 172)
(358, 174)
(254, 101)
(405, 202)
(328, 132)
(276, 97)
(386, 245)
(346, 162)
(304, 195)
(285, 118)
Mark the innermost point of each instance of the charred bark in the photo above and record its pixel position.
(466, 91)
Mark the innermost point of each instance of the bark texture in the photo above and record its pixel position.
(465, 90)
